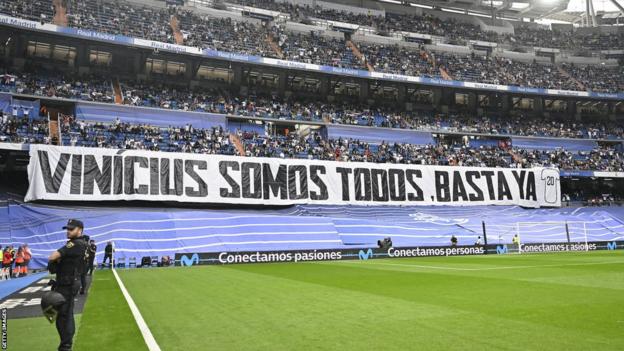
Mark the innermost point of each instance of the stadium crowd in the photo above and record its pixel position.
(456, 31)
(225, 34)
(51, 84)
(216, 140)
(120, 17)
(219, 101)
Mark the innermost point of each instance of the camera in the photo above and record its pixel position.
(385, 244)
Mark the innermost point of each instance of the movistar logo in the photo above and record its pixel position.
(612, 245)
(185, 261)
(365, 255)
(501, 249)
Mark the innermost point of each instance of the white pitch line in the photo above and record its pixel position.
(151, 343)
(493, 268)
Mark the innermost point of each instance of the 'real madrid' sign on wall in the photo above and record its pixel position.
(92, 174)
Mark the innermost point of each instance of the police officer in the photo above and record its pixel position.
(92, 250)
(108, 254)
(83, 275)
(68, 263)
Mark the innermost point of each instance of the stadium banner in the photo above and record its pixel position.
(294, 256)
(96, 174)
(573, 246)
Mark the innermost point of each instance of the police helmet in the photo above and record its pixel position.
(50, 302)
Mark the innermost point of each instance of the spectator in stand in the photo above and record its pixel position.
(217, 101)
(247, 37)
(313, 146)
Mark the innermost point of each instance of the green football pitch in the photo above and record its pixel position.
(571, 301)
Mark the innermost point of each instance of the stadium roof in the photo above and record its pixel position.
(505, 8)
(558, 10)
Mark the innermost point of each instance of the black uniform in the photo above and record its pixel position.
(108, 254)
(92, 249)
(68, 271)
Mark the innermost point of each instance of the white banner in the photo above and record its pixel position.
(92, 174)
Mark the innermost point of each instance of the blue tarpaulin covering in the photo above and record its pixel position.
(530, 143)
(20, 108)
(5, 103)
(153, 116)
(378, 135)
(141, 232)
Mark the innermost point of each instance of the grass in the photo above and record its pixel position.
(107, 323)
(510, 302)
(554, 302)
(106, 320)
(33, 333)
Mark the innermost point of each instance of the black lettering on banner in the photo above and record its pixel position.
(234, 191)
(503, 187)
(274, 185)
(53, 182)
(362, 184)
(409, 175)
(531, 192)
(442, 186)
(129, 187)
(316, 179)
(302, 172)
(165, 178)
(469, 179)
(396, 178)
(154, 176)
(344, 181)
(202, 188)
(376, 185)
(247, 167)
(459, 190)
(118, 175)
(490, 184)
(76, 174)
(519, 177)
(93, 174)
(124, 174)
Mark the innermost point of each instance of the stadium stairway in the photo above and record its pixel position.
(174, 22)
(117, 90)
(60, 13)
(569, 76)
(445, 75)
(234, 139)
(54, 131)
(357, 53)
(273, 44)
(431, 59)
